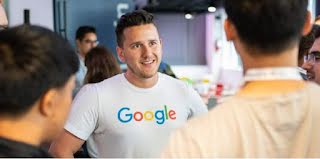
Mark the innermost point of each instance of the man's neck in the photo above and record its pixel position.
(141, 82)
(22, 131)
(286, 58)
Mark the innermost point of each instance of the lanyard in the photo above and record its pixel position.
(275, 73)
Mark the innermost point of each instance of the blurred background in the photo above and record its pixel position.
(194, 44)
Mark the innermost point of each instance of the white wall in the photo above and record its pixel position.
(183, 40)
(41, 12)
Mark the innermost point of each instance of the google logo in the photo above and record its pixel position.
(125, 115)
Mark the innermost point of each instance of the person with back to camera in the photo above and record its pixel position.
(36, 81)
(276, 112)
(133, 113)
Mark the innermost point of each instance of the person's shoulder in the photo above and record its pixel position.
(203, 125)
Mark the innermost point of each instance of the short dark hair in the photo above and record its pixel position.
(101, 64)
(307, 41)
(83, 30)
(135, 18)
(268, 25)
(33, 60)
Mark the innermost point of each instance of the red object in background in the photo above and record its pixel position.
(219, 90)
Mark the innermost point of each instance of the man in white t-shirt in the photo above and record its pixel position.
(275, 113)
(131, 114)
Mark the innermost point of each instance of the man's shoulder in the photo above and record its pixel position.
(10, 148)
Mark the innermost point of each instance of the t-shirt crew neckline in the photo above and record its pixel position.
(124, 80)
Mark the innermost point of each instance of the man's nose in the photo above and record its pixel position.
(147, 51)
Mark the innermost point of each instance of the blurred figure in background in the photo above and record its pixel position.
(86, 39)
(166, 69)
(312, 59)
(275, 113)
(36, 81)
(101, 64)
(305, 44)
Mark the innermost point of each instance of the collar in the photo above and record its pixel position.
(272, 73)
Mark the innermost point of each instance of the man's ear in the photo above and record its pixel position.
(307, 25)
(47, 103)
(120, 53)
(229, 29)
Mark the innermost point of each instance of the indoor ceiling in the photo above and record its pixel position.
(167, 6)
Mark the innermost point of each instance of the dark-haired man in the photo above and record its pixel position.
(275, 113)
(312, 59)
(36, 81)
(86, 39)
(131, 114)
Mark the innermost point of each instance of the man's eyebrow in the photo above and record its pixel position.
(136, 42)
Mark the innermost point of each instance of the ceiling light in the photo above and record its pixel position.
(212, 9)
(188, 16)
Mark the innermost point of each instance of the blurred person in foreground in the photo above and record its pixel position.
(275, 113)
(37, 77)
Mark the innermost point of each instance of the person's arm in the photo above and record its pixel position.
(196, 104)
(81, 123)
(65, 145)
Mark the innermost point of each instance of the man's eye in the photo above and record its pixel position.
(136, 46)
(153, 43)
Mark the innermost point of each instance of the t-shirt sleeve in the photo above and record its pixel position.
(196, 104)
(84, 113)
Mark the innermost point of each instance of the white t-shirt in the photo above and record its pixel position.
(126, 121)
(280, 125)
